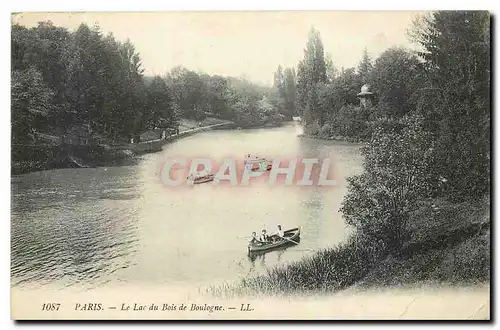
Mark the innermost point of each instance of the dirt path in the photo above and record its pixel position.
(186, 131)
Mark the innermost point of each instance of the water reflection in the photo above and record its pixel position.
(278, 253)
(257, 257)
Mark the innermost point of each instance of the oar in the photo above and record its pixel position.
(300, 230)
(290, 240)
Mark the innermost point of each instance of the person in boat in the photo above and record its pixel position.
(245, 161)
(280, 234)
(264, 238)
(254, 239)
(248, 165)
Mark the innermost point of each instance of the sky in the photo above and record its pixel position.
(249, 44)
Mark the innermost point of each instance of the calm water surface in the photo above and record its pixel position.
(120, 225)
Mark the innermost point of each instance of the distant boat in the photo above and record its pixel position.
(292, 237)
(203, 179)
(200, 178)
(259, 163)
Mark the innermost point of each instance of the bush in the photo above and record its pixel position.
(397, 176)
(312, 128)
(326, 131)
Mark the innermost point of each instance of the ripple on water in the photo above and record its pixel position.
(61, 243)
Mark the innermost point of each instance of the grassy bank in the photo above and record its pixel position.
(448, 243)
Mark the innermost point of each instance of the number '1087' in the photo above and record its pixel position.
(51, 307)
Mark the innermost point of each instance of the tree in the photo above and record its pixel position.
(159, 109)
(365, 67)
(456, 100)
(280, 97)
(217, 96)
(315, 58)
(311, 72)
(84, 93)
(278, 78)
(346, 87)
(290, 86)
(284, 93)
(394, 79)
(331, 70)
(46, 48)
(302, 87)
(188, 91)
(398, 175)
(96, 80)
(31, 104)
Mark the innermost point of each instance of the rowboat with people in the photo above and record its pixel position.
(290, 237)
(200, 178)
(258, 163)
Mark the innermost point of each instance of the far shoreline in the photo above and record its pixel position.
(118, 155)
(331, 138)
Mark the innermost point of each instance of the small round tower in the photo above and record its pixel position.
(365, 96)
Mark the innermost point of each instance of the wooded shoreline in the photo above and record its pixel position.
(47, 157)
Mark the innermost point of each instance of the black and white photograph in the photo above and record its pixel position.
(250, 165)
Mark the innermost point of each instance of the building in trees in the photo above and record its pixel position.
(365, 96)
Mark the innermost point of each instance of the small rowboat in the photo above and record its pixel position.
(268, 167)
(261, 164)
(292, 237)
(202, 179)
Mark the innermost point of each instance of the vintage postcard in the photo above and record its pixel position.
(272, 165)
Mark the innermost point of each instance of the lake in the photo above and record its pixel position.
(93, 227)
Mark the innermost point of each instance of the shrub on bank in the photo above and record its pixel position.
(396, 179)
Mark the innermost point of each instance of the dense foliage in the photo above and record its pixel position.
(435, 142)
(421, 206)
(85, 79)
(426, 126)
